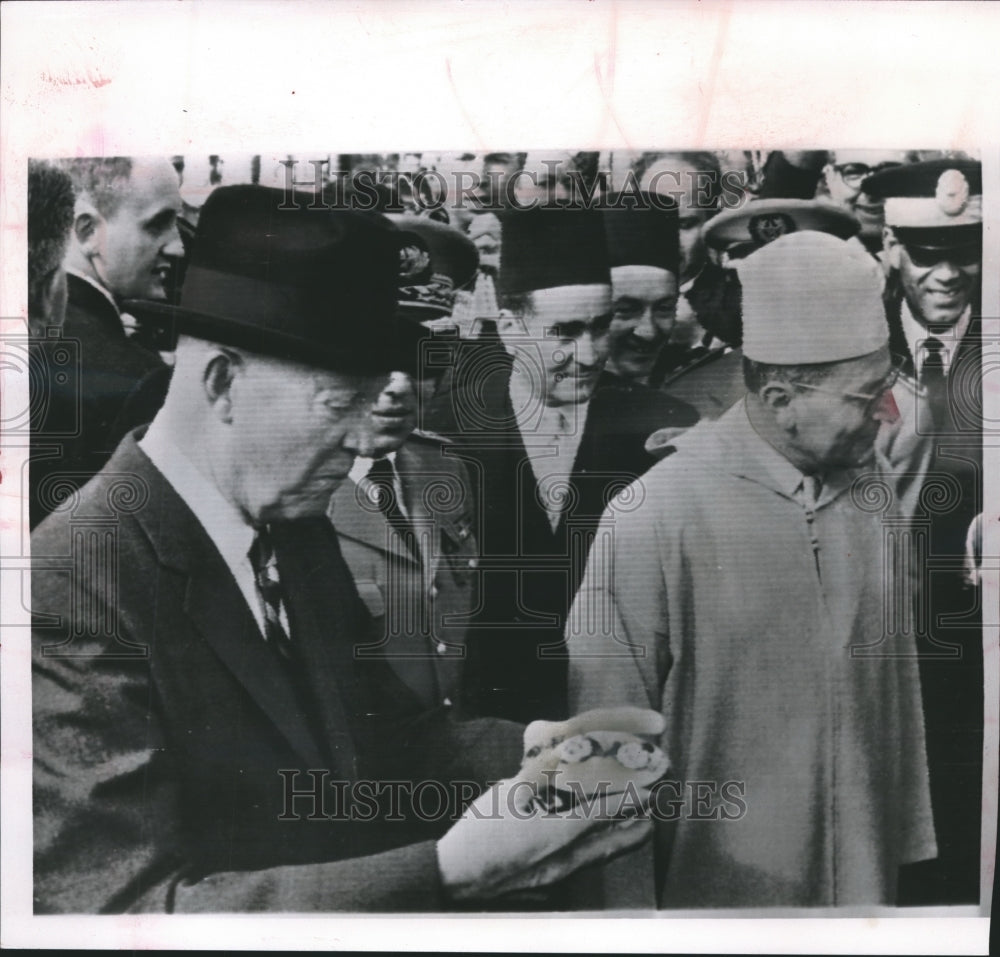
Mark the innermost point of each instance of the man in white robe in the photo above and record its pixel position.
(741, 586)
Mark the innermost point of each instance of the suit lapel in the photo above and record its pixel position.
(219, 613)
(363, 523)
(89, 302)
(417, 472)
(214, 603)
(326, 625)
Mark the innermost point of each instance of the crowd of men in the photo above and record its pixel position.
(348, 485)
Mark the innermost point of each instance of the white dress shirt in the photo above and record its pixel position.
(362, 466)
(917, 334)
(551, 436)
(223, 523)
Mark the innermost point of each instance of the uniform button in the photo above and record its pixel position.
(441, 648)
(473, 563)
(447, 702)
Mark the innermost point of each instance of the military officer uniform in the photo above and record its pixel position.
(419, 598)
(933, 215)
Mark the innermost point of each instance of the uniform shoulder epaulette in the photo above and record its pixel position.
(427, 436)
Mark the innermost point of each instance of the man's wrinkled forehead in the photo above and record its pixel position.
(347, 385)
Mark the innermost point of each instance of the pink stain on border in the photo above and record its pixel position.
(708, 93)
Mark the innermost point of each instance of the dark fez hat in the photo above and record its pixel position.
(937, 204)
(435, 261)
(314, 285)
(642, 230)
(548, 246)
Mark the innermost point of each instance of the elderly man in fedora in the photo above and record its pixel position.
(205, 738)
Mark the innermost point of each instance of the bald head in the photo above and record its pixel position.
(125, 223)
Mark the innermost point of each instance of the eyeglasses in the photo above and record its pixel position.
(869, 398)
(925, 257)
(854, 174)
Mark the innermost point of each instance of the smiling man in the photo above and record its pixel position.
(549, 435)
(933, 244)
(644, 251)
(740, 597)
(124, 230)
(843, 182)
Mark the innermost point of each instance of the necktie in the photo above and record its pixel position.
(932, 380)
(390, 489)
(265, 573)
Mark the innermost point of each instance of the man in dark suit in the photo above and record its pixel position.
(205, 738)
(933, 244)
(548, 437)
(124, 231)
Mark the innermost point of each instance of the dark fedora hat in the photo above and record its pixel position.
(269, 274)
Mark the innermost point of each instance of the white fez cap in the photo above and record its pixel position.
(810, 297)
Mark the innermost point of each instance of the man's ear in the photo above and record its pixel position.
(510, 327)
(777, 397)
(891, 246)
(823, 186)
(87, 226)
(218, 378)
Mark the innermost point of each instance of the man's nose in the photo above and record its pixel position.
(359, 439)
(588, 352)
(173, 246)
(397, 386)
(885, 408)
(947, 272)
(645, 328)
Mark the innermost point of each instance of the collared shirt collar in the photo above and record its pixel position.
(759, 457)
(90, 280)
(362, 465)
(532, 422)
(916, 334)
(225, 526)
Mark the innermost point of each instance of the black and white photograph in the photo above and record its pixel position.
(599, 531)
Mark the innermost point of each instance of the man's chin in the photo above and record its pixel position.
(574, 394)
(156, 292)
(940, 322)
(635, 367)
(310, 503)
